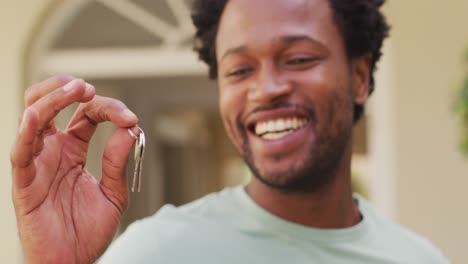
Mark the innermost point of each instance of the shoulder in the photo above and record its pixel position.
(401, 239)
(430, 252)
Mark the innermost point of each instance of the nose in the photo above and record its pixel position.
(269, 86)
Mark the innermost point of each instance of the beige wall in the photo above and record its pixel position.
(427, 42)
(16, 20)
(428, 39)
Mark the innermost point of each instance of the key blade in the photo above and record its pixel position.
(139, 153)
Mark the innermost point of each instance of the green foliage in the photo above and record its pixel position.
(462, 109)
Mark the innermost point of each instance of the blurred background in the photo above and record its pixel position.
(407, 149)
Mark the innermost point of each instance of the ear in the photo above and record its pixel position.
(361, 78)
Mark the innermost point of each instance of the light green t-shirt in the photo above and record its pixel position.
(229, 227)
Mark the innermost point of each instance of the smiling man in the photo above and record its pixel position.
(294, 76)
(287, 96)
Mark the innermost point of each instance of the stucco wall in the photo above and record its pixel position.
(428, 39)
(16, 20)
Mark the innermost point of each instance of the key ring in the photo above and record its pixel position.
(133, 135)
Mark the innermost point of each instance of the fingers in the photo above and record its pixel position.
(55, 101)
(22, 153)
(43, 88)
(114, 182)
(43, 101)
(100, 109)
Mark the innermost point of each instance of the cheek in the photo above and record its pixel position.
(231, 105)
(329, 91)
(339, 110)
(224, 107)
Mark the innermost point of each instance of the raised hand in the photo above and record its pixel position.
(64, 214)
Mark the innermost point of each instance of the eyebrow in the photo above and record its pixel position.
(234, 50)
(283, 40)
(299, 38)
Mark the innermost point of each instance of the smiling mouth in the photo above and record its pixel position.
(274, 129)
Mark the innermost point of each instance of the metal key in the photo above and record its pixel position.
(139, 153)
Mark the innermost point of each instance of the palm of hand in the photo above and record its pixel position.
(66, 199)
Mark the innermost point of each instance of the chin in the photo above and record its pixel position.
(303, 176)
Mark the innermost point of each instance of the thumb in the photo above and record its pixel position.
(114, 182)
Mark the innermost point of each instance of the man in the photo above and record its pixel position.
(294, 76)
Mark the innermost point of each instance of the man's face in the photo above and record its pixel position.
(287, 89)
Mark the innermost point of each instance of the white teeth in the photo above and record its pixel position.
(273, 136)
(280, 125)
(295, 124)
(270, 126)
(274, 129)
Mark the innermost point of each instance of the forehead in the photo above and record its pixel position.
(300, 10)
(248, 22)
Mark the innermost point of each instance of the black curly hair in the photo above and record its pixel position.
(360, 22)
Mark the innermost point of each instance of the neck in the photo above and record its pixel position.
(331, 206)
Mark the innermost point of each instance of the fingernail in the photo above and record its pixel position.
(71, 85)
(89, 89)
(129, 113)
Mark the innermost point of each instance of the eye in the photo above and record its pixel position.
(300, 60)
(239, 72)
